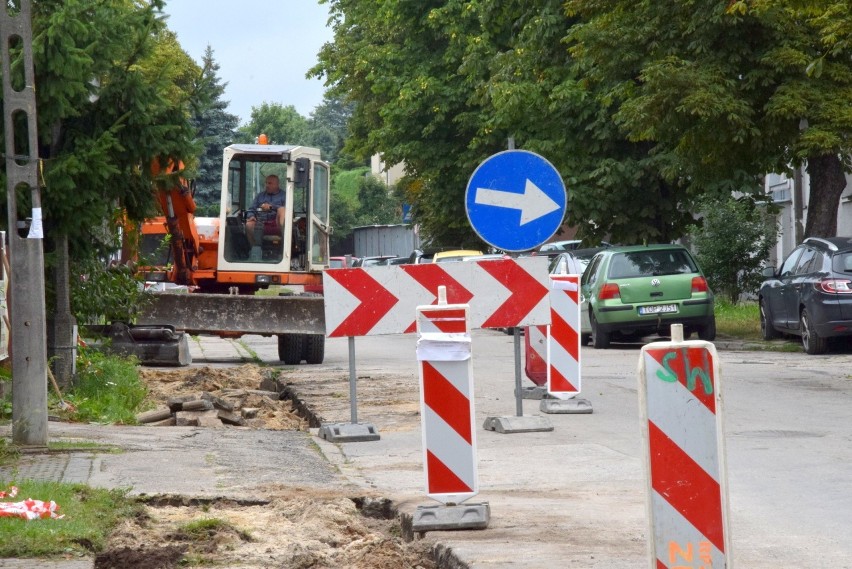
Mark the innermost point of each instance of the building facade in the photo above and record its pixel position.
(791, 194)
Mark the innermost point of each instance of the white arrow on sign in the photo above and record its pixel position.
(533, 203)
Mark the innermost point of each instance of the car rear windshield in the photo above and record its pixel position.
(647, 263)
(843, 262)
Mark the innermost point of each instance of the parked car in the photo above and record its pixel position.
(487, 257)
(811, 295)
(454, 255)
(575, 263)
(417, 257)
(571, 245)
(340, 262)
(560, 245)
(640, 290)
(372, 261)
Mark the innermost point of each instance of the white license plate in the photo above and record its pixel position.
(658, 309)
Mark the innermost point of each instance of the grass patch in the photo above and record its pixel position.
(206, 528)
(8, 453)
(251, 353)
(90, 515)
(738, 320)
(108, 389)
(273, 290)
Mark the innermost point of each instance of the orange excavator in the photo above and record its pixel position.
(223, 261)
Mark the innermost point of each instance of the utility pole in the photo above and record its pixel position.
(26, 287)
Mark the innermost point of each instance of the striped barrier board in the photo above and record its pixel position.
(563, 370)
(446, 402)
(535, 354)
(681, 408)
(553, 352)
(501, 293)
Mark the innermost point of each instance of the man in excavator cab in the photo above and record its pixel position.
(269, 207)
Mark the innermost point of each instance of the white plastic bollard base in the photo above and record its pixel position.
(451, 517)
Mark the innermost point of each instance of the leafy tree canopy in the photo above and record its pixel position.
(644, 107)
(111, 96)
(281, 124)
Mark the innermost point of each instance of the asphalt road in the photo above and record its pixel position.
(575, 497)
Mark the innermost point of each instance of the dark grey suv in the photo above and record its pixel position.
(811, 295)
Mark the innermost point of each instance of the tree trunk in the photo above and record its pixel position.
(61, 337)
(827, 184)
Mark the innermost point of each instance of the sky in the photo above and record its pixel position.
(263, 48)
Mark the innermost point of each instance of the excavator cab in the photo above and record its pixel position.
(261, 253)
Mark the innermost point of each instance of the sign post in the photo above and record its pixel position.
(687, 497)
(515, 201)
(383, 300)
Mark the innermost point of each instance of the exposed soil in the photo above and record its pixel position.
(297, 528)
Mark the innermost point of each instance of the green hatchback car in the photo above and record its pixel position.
(636, 291)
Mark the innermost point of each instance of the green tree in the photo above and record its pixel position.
(111, 97)
(329, 124)
(643, 107)
(216, 130)
(497, 70)
(281, 124)
(411, 107)
(732, 244)
(378, 205)
(534, 88)
(725, 91)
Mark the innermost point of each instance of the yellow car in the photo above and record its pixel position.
(454, 255)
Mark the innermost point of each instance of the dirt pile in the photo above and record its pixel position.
(239, 386)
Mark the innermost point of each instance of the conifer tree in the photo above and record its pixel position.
(216, 130)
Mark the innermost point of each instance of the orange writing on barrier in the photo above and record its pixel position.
(678, 554)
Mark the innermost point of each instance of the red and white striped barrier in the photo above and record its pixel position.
(28, 509)
(372, 301)
(553, 352)
(681, 407)
(446, 402)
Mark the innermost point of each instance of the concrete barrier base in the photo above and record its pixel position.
(533, 392)
(348, 432)
(573, 406)
(507, 425)
(451, 517)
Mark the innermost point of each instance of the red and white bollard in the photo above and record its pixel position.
(681, 407)
(553, 352)
(447, 418)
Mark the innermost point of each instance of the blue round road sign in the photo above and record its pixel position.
(515, 200)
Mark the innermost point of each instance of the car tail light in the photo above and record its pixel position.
(608, 291)
(835, 286)
(699, 284)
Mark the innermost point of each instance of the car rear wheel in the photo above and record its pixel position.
(767, 331)
(600, 339)
(811, 341)
(708, 331)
